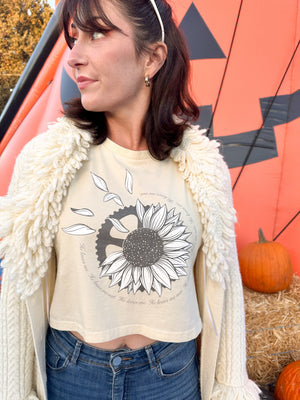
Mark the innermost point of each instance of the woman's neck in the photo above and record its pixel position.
(127, 132)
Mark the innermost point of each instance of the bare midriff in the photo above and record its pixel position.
(129, 341)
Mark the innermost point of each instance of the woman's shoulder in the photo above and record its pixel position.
(198, 151)
(60, 134)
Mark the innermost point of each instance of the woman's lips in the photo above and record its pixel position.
(84, 82)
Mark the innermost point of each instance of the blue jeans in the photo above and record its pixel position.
(161, 371)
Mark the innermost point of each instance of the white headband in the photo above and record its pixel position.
(159, 19)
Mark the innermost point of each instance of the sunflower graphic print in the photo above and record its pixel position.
(151, 256)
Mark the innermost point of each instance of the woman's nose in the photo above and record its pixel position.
(77, 56)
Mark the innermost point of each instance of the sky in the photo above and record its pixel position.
(51, 3)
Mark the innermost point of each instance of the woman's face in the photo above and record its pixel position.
(106, 68)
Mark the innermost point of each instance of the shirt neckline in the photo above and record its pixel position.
(123, 151)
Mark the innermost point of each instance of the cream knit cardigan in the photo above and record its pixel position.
(29, 217)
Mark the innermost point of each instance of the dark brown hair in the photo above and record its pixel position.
(170, 95)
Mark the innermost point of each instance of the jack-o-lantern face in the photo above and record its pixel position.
(246, 80)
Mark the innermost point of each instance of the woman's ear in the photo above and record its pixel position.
(155, 58)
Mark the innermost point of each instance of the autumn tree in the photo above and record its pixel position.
(22, 23)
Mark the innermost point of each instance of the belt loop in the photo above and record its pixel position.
(151, 356)
(76, 352)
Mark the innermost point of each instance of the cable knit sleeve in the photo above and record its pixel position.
(232, 381)
(208, 177)
(16, 350)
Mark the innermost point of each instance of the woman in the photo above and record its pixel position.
(118, 238)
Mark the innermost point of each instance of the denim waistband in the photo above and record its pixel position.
(122, 357)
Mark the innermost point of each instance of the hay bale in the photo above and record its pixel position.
(273, 332)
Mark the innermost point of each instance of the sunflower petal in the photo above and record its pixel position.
(116, 278)
(104, 271)
(137, 272)
(168, 267)
(161, 275)
(171, 213)
(99, 182)
(175, 253)
(78, 229)
(136, 286)
(147, 217)
(176, 245)
(140, 210)
(185, 236)
(173, 220)
(158, 219)
(112, 257)
(180, 271)
(157, 286)
(165, 230)
(147, 278)
(179, 262)
(118, 225)
(117, 266)
(126, 278)
(175, 233)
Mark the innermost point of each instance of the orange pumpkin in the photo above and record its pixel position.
(288, 384)
(265, 266)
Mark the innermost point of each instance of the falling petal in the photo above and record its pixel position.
(176, 245)
(114, 197)
(85, 212)
(128, 182)
(116, 278)
(99, 182)
(126, 278)
(79, 229)
(161, 275)
(156, 286)
(140, 210)
(147, 217)
(117, 266)
(117, 224)
(168, 267)
(175, 233)
(112, 257)
(158, 219)
(137, 272)
(147, 278)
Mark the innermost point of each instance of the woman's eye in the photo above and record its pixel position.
(97, 35)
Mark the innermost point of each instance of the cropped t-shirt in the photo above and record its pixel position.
(128, 238)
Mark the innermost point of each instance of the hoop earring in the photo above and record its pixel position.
(147, 81)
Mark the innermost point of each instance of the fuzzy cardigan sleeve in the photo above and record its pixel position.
(208, 176)
(29, 215)
(16, 350)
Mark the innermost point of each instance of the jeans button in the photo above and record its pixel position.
(117, 361)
